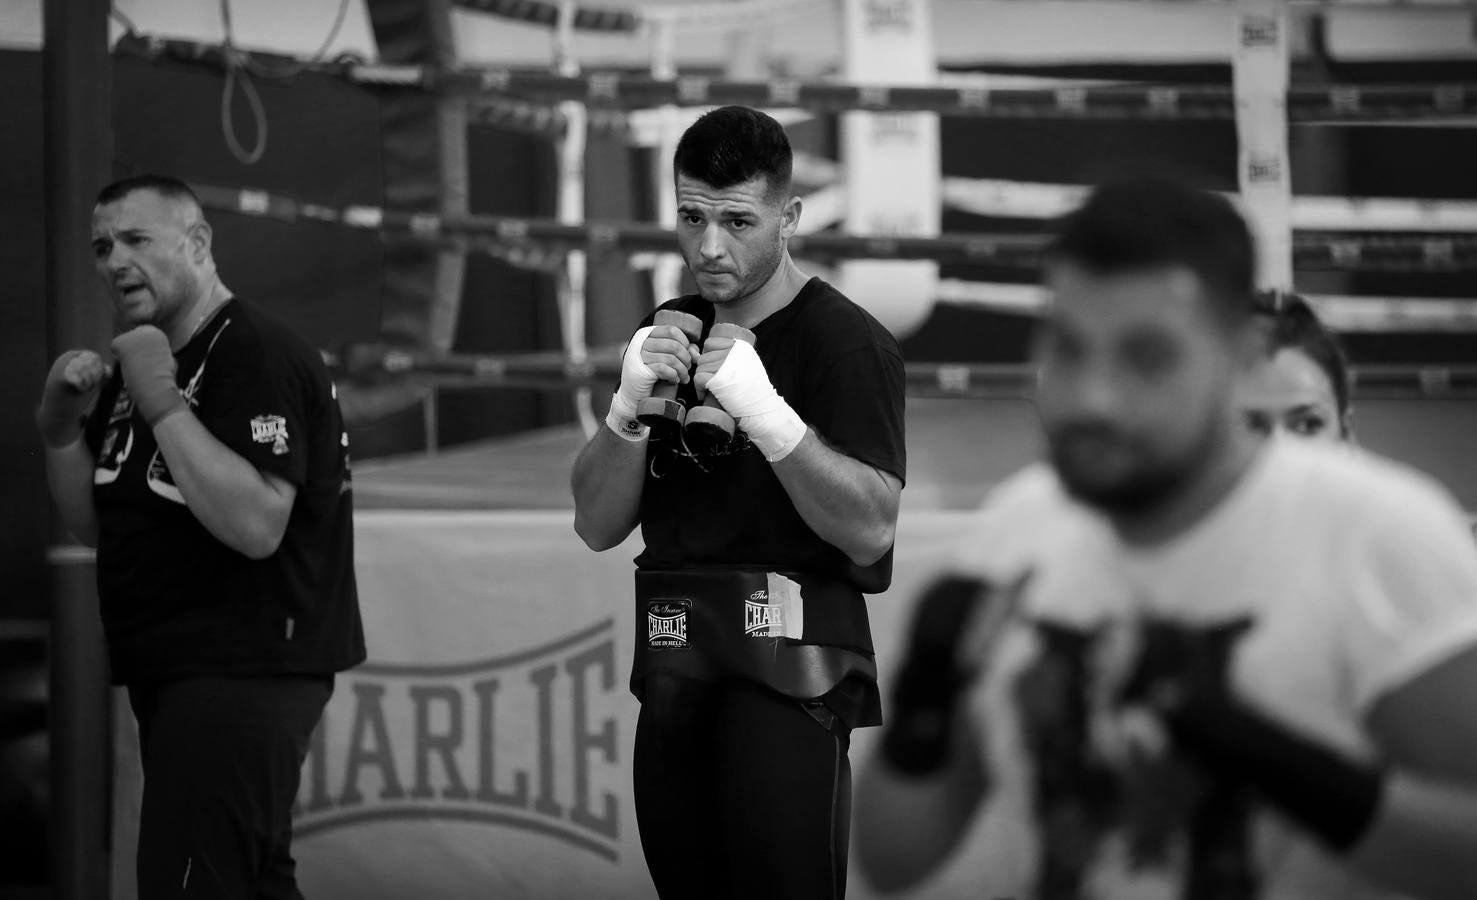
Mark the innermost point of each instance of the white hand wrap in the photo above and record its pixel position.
(637, 380)
(743, 387)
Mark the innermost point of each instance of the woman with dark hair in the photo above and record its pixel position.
(1305, 386)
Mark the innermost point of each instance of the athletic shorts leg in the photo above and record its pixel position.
(222, 762)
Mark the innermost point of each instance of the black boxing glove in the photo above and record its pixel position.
(1182, 678)
(1333, 797)
(926, 694)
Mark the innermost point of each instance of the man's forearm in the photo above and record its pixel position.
(1415, 834)
(1422, 840)
(607, 481)
(227, 494)
(849, 504)
(69, 473)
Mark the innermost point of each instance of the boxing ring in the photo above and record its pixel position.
(483, 749)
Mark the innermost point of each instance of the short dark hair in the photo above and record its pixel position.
(1142, 223)
(732, 144)
(166, 186)
(1294, 325)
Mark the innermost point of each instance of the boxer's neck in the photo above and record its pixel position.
(199, 314)
(774, 295)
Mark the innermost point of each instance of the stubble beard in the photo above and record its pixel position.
(1147, 487)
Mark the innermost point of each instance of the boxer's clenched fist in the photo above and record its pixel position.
(956, 627)
(715, 351)
(659, 353)
(668, 352)
(710, 427)
(70, 389)
(731, 369)
(148, 372)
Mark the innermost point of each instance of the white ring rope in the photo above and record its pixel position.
(1340, 312)
(737, 16)
(1000, 198)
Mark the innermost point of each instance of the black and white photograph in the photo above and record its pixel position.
(738, 450)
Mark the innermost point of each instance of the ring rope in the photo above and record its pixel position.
(540, 244)
(688, 16)
(1342, 313)
(1015, 380)
(1313, 251)
(538, 12)
(1328, 103)
(1036, 200)
(740, 15)
(1003, 198)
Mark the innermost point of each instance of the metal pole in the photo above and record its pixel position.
(77, 78)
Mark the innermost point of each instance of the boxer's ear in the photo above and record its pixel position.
(790, 217)
(198, 237)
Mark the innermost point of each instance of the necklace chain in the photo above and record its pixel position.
(205, 314)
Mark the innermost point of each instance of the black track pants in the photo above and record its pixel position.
(740, 793)
(222, 758)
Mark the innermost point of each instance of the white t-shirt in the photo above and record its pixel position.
(1357, 574)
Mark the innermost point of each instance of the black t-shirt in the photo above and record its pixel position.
(842, 372)
(175, 600)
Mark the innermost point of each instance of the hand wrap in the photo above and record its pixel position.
(742, 385)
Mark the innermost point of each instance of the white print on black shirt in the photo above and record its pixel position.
(270, 430)
(159, 480)
(118, 439)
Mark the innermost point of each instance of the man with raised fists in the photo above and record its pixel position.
(208, 464)
(765, 519)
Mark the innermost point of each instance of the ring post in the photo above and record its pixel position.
(77, 77)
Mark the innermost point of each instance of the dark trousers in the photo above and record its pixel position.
(222, 758)
(740, 793)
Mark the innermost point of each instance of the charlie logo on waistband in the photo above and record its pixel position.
(763, 619)
(666, 624)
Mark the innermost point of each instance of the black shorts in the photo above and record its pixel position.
(222, 758)
(741, 792)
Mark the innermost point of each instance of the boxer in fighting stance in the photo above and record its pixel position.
(754, 656)
(1210, 664)
(208, 463)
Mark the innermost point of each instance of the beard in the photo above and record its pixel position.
(741, 284)
(1144, 482)
(165, 297)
